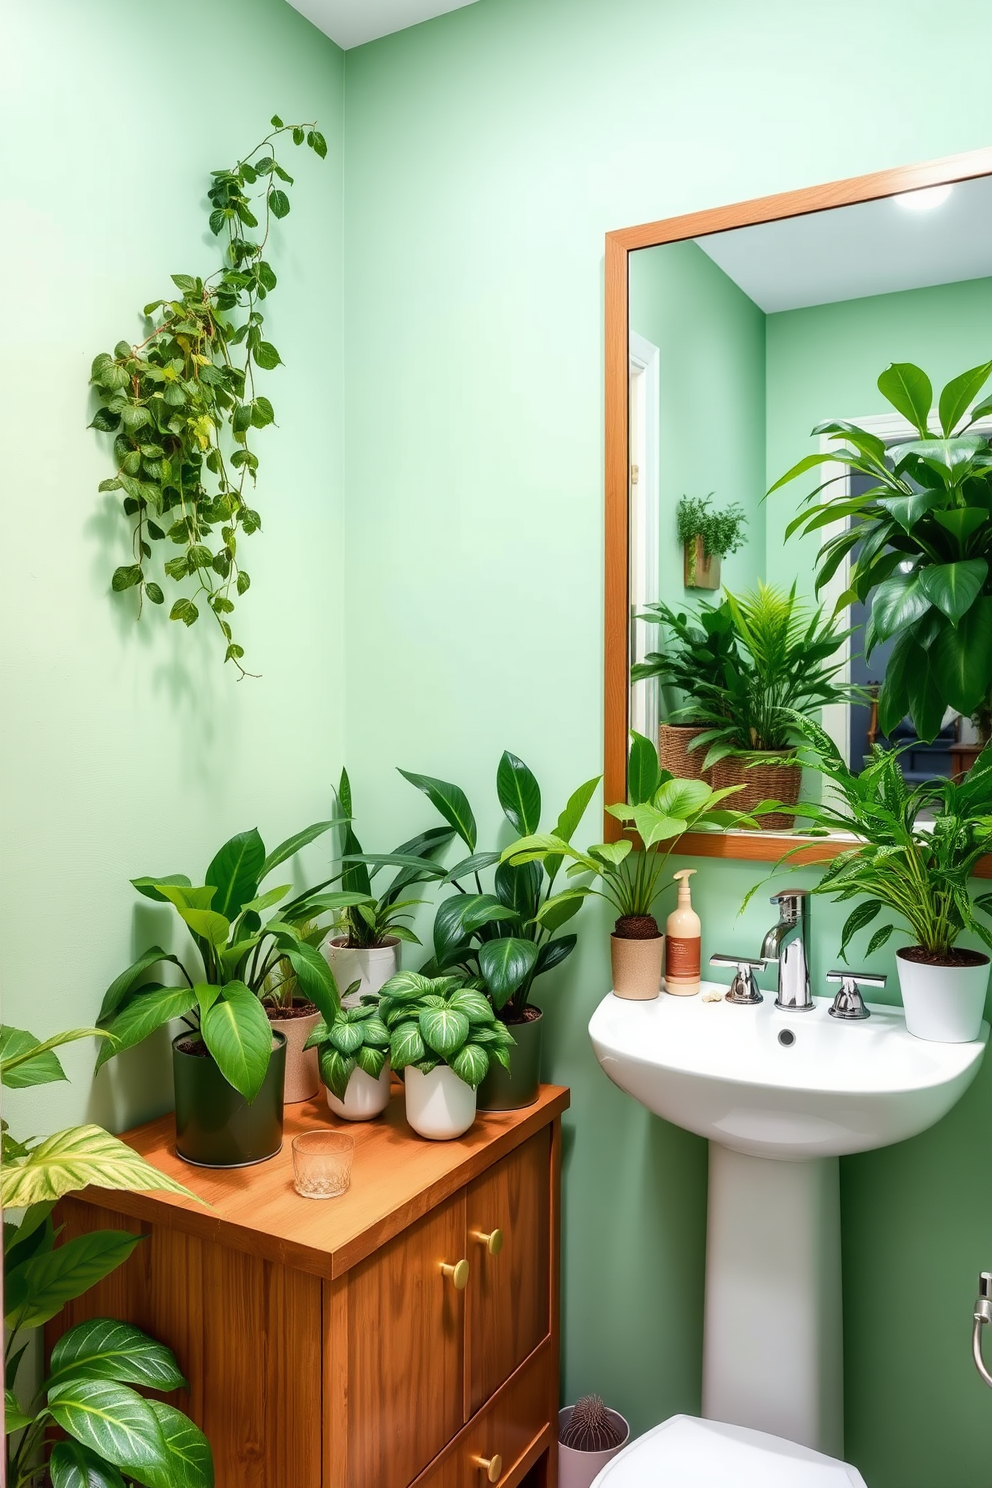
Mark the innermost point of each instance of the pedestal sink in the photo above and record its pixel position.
(780, 1096)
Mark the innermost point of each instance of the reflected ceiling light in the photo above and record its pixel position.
(925, 200)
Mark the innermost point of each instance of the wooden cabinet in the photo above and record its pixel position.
(326, 1343)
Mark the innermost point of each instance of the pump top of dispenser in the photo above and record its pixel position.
(682, 879)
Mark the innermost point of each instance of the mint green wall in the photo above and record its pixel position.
(129, 748)
(711, 395)
(824, 362)
(487, 154)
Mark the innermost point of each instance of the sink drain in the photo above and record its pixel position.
(786, 1037)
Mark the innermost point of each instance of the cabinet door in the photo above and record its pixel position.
(405, 1353)
(509, 1304)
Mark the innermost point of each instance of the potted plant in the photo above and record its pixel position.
(589, 1435)
(782, 666)
(918, 846)
(659, 808)
(230, 1063)
(700, 648)
(706, 537)
(505, 937)
(353, 1055)
(365, 948)
(443, 1035)
(923, 531)
(104, 1425)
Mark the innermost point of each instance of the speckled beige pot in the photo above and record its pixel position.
(636, 967)
(302, 1075)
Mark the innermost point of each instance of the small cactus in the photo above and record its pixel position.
(591, 1428)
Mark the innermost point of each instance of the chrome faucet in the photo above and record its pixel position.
(786, 944)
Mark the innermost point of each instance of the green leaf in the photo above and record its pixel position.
(239, 1036)
(279, 203)
(470, 1064)
(73, 1159)
(24, 1062)
(154, 593)
(472, 864)
(857, 920)
(473, 1004)
(74, 1466)
(112, 1420)
(267, 357)
(519, 794)
(926, 694)
(184, 610)
(959, 392)
(189, 1461)
(643, 771)
(371, 1060)
(315, 978)
(406, 1046)
(38, 1289)
(962, 522)
(909, 390)
(879, 939)
(506, 964)
(126, 577)
(335, 1069)
(963, 657)
(443, 1029)
(104, 1348)
(953, 587)
(141, 1015)
(236, 872)
(897, 604)
(346, 1037)
(560, 908)
(317, 143)
(276, 122)
(128, 980)
(451, 801)
(14, 1417)
(210, 926)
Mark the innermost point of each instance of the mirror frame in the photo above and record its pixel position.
(756, 846)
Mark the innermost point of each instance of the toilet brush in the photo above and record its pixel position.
(589, 1434)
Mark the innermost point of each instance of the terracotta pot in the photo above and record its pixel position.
(519, 1086)
(675, 755)
(364, 1098)
(944, 1004)
(438, 1105)
(636, 967)
(766, 781)
(372, 966)
(698, 571)
(302, 1076)
(580, 1469)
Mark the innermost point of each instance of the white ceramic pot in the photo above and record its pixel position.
(943, 1003)
(364, 1098)
(372, 967)
(438, 1105)
(580, 1469)
(302, 1074)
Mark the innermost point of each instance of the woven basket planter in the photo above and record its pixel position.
(764, 782)
(676, 756)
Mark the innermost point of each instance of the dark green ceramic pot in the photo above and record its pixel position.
(508, 1090)
(215, 1126)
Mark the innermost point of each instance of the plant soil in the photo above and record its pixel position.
(637, 927)
(194, 1045)
(298, 1010)
(529, 1015)
(957, 956)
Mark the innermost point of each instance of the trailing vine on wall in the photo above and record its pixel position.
(182, 404)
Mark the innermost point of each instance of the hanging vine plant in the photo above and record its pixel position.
(182, 404)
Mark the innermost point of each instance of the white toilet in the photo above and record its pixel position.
(685, 1452)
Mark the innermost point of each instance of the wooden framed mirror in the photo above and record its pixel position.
(721, 329)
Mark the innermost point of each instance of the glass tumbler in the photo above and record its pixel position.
(322, 1163)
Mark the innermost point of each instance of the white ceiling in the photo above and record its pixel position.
(351, 22)
(849, 252)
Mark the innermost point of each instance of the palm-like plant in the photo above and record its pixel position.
(924, 530)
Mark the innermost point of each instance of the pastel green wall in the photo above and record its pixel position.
(129, 748)
(711, 395)
(487, 154)
(823, 362)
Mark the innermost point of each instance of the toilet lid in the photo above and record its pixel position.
(685, 1452)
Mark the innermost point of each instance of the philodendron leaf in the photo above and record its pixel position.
(38, 1289)
(471, 1064)
(104, 1348)
(959, 392)
(236, 872)
(142, 1015)
(909, 390)
(505, 964)
(189, 1461)
(72, 1465)
(519, 794)
(239, 1036)
(452, 803)
(897, 604)
(953, 587)
(74, 1159)
(112, 1420)
(443, 1029)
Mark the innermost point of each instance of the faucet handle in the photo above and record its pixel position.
(849, 1004)
(743, 988)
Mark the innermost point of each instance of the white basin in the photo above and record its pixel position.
(719, 1069)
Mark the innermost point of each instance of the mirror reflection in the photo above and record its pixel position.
(811, 491)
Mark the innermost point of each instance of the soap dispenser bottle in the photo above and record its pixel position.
(682, 942)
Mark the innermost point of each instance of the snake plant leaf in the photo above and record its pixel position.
(909, 390)
(239, 1036)
(72, 1465)
(149, 1010)
(112, 1420)
(74, 1159)
(189, 1459)
(451, 801)
(39, 1288)
(953, 587)
(235, 872)
(471, 1064)
(518, 793)
(104, 1348)
(506, 964)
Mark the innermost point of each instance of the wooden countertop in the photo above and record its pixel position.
(397, 1177)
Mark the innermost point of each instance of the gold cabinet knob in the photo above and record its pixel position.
(493, 1241)
(459, 1276)
(491, 1466)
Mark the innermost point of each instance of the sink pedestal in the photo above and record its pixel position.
(772, 1354)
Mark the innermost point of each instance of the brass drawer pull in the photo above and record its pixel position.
(493, 1241)
(491, 1466)
(459, 1276)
